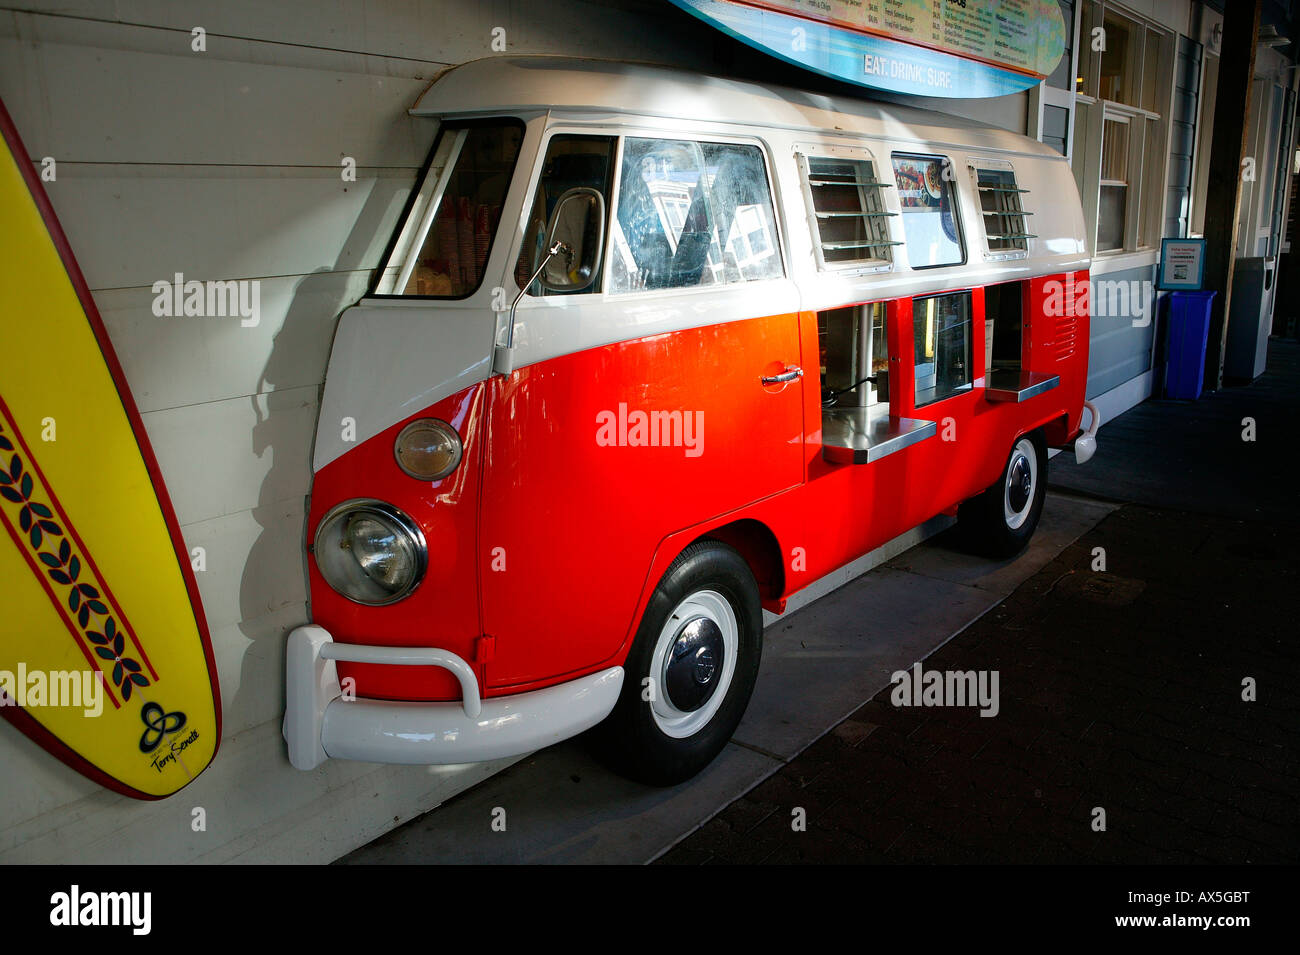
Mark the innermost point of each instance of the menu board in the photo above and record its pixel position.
(1023, 35)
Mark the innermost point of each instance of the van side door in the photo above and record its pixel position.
(666, 395)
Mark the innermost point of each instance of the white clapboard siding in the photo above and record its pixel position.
(183, 107)
(133, 226)
(288, 348)
(250, 666)
(441, 31)
(226, 456)
(270, 534)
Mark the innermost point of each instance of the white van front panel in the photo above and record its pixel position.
(393, 359)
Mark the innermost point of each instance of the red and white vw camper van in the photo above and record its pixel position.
(648, 353)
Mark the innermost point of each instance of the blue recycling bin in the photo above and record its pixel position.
(1189, 329)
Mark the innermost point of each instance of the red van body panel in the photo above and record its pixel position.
(578, 499)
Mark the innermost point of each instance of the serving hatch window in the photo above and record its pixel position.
(692, 214)
(931, 228)
(443, 246)
(941, 330)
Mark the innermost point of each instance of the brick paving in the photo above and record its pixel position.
(1120, 690)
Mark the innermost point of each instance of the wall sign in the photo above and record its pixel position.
(1182, 263)
(950, 48)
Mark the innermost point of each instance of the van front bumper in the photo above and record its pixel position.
(319, 723)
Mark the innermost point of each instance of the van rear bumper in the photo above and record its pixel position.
(320, 724)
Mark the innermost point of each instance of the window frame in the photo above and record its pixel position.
(804, 154)
(956, 213)
(971, 346)
(1149, 132)
(977, 163)
(623, 133)
(534, 178)
(404, 221)
(1134, 138)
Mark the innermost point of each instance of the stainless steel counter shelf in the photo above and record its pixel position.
(854, 436)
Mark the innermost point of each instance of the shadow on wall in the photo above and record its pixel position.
(318, 301)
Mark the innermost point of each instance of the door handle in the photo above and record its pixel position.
(790, 374)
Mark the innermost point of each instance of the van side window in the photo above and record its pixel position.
(852, 222)
(443, 245)
(571, 162)
(930, 223)
(1005, 224)
(692, 214)
(941, 334)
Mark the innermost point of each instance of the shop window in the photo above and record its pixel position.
(1151, 73)
(443, 246)
(1121, 145)
(941, 335)
(1116, 80)
(571, 162)
(1004, 214)
(931, 228)
(854, 358)
(1113, 202)
(1056, 128)
(692, 214)
(851, 220)
(1003, 326)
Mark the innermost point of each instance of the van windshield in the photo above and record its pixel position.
(442, 246)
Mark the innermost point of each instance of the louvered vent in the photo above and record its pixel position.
(1005, 216)
(850, 220)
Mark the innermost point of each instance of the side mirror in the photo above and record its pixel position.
(578, 224)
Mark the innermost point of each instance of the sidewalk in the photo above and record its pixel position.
(1120, 690)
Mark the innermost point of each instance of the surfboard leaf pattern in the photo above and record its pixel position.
(64, 567)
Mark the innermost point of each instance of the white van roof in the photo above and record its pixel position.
(510, 84)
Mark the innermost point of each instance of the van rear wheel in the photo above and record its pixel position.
(1000, 521)
(691, 669)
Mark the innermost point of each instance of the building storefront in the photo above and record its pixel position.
(1132, 104)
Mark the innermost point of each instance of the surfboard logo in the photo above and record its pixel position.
(158, 724)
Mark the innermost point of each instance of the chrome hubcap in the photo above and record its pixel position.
(692, 664)
(1019, 483)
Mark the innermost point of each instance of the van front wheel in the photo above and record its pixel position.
(1000, 521)
(691, 669)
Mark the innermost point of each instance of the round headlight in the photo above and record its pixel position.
(427, 449)
(370, 552)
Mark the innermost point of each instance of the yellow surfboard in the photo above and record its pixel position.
(105, 658)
